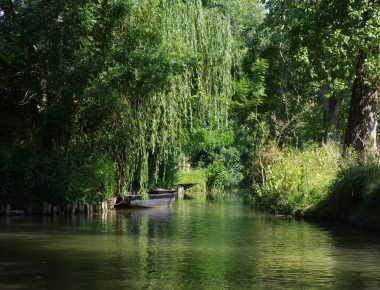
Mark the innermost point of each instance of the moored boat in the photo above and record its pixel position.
(188, 185)
(154, 200)
(162, 190)
(156, 197)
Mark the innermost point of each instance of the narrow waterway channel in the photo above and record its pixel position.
(191, 245)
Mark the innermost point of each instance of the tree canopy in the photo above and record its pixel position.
(109, 96)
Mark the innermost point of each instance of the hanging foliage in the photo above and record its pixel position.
(169, 70)
(118, 83)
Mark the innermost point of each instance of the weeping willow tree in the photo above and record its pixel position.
(106, 91)
(204, 36)
(169, 69)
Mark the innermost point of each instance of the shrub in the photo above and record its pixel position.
(31, 175)
(217, 175)
(354, 195)
(292, 179)
(19, 166)
(215, 152)
(95, 176)
(225, 170)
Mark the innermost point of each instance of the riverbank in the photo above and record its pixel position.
(57, 209)
(318, 183)
(353, 197)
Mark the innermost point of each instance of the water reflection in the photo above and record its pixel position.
(193, 245)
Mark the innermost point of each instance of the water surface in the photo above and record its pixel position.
(192, 245)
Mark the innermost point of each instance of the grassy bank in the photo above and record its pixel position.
(319, 183)
(290, 180)
(354, 196)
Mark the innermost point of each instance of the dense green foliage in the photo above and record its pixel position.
(215, 151)
(313, 58)
(318, 182)
(290, 180)
(353, 196)
(322, 84)
(105, 93)
(102, 97)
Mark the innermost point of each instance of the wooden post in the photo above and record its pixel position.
(180, 193)
(111, 203)
(104, 206)
(56, 209)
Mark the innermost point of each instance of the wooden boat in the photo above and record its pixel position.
(156, 197)
(188, 185)
(162, 190)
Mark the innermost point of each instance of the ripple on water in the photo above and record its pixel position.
(193, 245)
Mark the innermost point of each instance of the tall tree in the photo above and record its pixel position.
(327, 50)
(362, 122)
(292, 82)
(112, 82)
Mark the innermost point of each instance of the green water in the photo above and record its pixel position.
(192, 245)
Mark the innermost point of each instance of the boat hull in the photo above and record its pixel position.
(154, 200)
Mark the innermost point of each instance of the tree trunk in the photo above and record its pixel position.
(332, 107)
(362, 118)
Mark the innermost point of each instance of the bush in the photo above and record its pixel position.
(19, 168)
(354, 195)
(225, 170)
(292, 179)
(97, 175)
(31, 175)
(206, 145)
(217, 175)
(215, 152)
(318, 182)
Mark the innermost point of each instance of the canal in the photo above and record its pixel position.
(194, 244)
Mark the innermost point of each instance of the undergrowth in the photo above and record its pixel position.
(319, 182)
(354, 196)
(291, 179)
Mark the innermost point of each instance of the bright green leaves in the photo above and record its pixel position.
(202, 39)
(249, 93)
(115, 86)
(169, 68)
